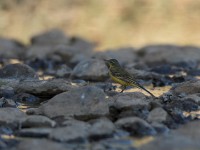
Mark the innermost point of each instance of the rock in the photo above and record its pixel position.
(162, 54)
(11, 48)
(60, 71)
(34, 132)
(123, 55)
(189, 87)
(7, 143)
(185, 138)
(6, 92)
(81, 45)
(11, 115)
(70, 134)
(193, 97)
(92, 69)
(177, 108)
(18, 71)
(190, 130)
(40, 144)
(7, 102)
(44, 88)
(52, 37)
(37, 121)
(51, 53)
(160, 128)
(101, 128)
(158, 115)
(172, 142)
(40, 88)
(130, 104)
(26, 98)
(135, 126)
(113, 144)
(73, 122)
(83, 103)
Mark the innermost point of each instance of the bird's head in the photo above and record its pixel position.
(111, 63)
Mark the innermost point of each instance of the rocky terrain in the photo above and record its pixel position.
(56, 94)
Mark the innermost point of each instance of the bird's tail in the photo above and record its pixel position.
(141, 87)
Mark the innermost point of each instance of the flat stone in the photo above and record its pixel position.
(40, 144)
(70, 134)
(11, 115)
(37, 121)
(83, 103)
(34, 132)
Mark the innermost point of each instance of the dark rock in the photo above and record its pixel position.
(11, 115)
(7, 143)
(10, 48)
(62, 71)
(52, 37)
(160, 128)
(135, 126)
(34, 132)
(189, 87)
(130, 104)
(46, 89)
(70, 134)
(40, 144)
(81, 45)
(6, 92)
(37, 121)
(158, 115)
(92, 69)
(7, 102)
(193, 97)
(162, 54)
(83, 103)
(185, 138)
(6, 130)
(18, 71)
(26, 98)
(176, 109)
(101, 128)
(113, 144)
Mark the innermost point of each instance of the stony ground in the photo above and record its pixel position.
(56, 94)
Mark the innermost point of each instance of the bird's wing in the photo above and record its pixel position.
(124, 76)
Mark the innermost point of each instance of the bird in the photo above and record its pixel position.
(121, 76)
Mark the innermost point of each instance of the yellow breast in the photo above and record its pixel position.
(118, 80)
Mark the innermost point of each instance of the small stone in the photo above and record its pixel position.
(18, 71)
(11, 115)
(40, 144)
(37, 121)
(158, 115)
(70, 134)
(34, 132)
(92, 69)
(101, 128)
(135, 126)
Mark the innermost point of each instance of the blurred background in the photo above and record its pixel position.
(109, 23)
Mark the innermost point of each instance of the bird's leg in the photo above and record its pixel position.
(123, 87)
